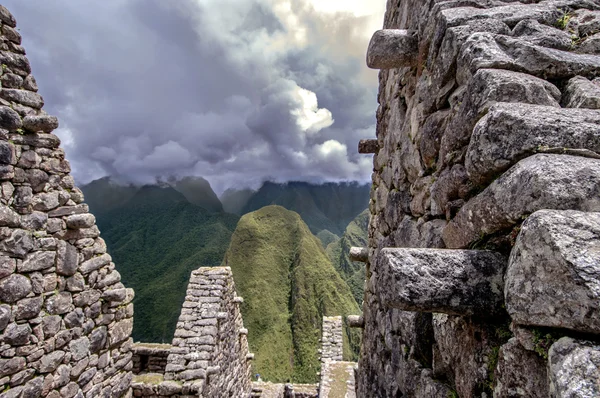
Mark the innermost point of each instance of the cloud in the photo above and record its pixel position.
(236, 91)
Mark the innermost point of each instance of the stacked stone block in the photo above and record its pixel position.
(488, 143)
(65, 316)
(337, 376)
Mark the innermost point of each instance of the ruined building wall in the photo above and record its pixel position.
(488, 115)
(65, 317)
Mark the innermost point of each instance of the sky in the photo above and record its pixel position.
(235, 91)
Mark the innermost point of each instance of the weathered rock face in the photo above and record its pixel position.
(489, 118)
(65, 317)
(574, 368)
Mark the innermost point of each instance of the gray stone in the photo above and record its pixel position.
(359, 254)
(520, 373)
(23, 196)
(542, 35)
(68, 210)
(19, 64)
(45, 201)
(553, 277)
(582, 93)
(6, 17)
(10, 80)
(28, 308)
(7, 153)
(76, 283)
(59, 303)
(37, 261)
(537, 182)
(77, 221)
(574, 369)
(392, 48)
(35, 221)
(40, 123)
(23, 97)
(30, 84)
(94, 263)
(4, 316)
(16, 334)
(37, 178)
(11, 366)
(19, 243)
(33, 388)
(98, 339)
(9, 120)
(29, 159)
(7, 266)
(8, 217)
(37, 140)
(49, 363)
(14, 288)
(51, 325)
(80, 348)
(368, 146)
(487, 50)
(458, 282)
(120, 331)
(74, 318)
(70, 390)
(115, 295)
(511, 132)
(487, 87)
(66, 259)
(22, 377)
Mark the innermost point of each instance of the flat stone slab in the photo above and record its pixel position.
(392, 48)
(538, 182)
(553, 276)
(574, 369)
(512, 131)
(457, 282)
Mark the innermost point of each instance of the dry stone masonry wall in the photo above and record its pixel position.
(209, 355)
(65, 317)
(488, 143)
(337, 376)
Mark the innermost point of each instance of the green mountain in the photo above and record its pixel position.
(329, 206)
(198, 192)
(234, 200)
(326, 237)
(356, 234)
(156, 238)
(288, 284)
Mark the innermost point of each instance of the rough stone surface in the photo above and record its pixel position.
(392, 48)
(457, 282)
(574, 368)
(537, 182)
(582, 93)
(553, 277)
(520, 373)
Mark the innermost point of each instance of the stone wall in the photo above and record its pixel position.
(337, 376)
(65, 317)
(488, 115)
(150, 357)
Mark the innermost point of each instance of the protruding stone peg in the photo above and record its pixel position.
(238, 299)
(359, 254)
(213, 370)
(368, 146)
(392, 48)
(222, 315)
(243, 331)
(250, 356)
(356, 321)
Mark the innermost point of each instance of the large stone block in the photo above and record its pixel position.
(553, 277)
(582, 93)
(513, 131)
(537, 182)
(458, 282)
(520, 373)
(392, 48)
(574, 369)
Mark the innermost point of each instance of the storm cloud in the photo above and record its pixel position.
(235, 91)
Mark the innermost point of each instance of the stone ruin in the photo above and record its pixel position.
(337, 376)
(488, 144)
(483, 264)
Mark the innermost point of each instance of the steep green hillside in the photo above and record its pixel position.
(356, 234)
(234, 200)
(288, 284)
(327, 237)
(198, 192)
(329, 206)
(156, 239)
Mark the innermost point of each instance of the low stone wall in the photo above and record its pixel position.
(149, 357)
(332, 339)
(337, 376)
(65, 316)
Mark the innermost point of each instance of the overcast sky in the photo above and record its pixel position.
(236, 91)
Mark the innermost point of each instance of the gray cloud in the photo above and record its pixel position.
(236, 91)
